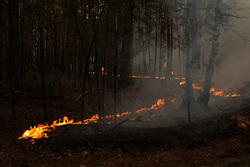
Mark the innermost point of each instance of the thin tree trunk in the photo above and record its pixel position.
(156, 36)
(189, 88)
(115, 71)
(125, 67)
(1, 41)
(172, 44)
(145, 40)
(205, 95)
(179, 48)
(42, 65)
(56, 58)
(98, 82)
(35, 42)
(13, 50)
(1, 48)
(169, 56)
(160, 56)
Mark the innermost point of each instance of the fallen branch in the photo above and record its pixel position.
(138, 119)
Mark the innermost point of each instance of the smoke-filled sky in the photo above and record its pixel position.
(233, 62)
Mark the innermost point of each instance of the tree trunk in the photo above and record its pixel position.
(205, 95)
(98, 81)
(160, 55)
(115, 71)
(42, 65)
(195, 38)
(1, 47)
(13, 50)
(156, 36)
(145, 40)
(35, 42)
(169, 56)
(56, 58)
(172, 44)
(127, 40)
(189, 97)
(179, 48)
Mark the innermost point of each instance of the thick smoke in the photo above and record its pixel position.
(233, 63)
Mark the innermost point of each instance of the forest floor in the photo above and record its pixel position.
(218, 136)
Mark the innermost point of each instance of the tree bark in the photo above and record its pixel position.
(169, 56)
(189, 97)
(125, 68)
(115, 71)
(13, 50)
(42, 65)
(195, 38)
(156, 35)
(205, 95)
(145, 40)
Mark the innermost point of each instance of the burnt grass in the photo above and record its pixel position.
(220, 139)
(188, 136)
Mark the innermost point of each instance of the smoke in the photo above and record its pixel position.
(233, 63)
(232, 68)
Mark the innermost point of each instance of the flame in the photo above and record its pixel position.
(157, 77)
(42, 130)
(172, 101)
(212, 89)
(235, 95)
(159, 104)
(197, 87)
(182, 83)
(218, 93)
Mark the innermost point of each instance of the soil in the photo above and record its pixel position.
(218, 136)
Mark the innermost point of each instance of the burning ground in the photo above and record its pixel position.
(149, 136)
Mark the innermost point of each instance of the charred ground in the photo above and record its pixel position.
(218, 136)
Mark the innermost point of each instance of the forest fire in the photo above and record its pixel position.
(42, 130)
(155, 77)
(213, 90)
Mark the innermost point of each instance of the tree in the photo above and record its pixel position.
(205, 95)
(127, 35)
(13, 50)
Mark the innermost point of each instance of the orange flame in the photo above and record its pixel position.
(41, 131)
(218, 93)
(157, 77)
(212, 89)
(235, 95)
(182, 83)
(159, 104)
(197, 87)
